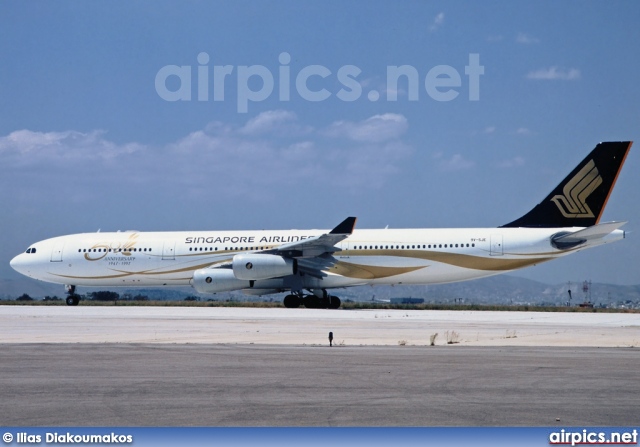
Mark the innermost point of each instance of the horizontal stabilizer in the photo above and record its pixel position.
(564, 241)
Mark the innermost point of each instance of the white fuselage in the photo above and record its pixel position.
(388, 256)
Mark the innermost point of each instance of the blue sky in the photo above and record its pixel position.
(87, 142)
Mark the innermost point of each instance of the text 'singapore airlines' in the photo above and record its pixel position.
(309, 263)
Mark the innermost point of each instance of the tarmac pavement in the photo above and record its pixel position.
(122, 366)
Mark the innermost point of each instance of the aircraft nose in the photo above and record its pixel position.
(17, 264)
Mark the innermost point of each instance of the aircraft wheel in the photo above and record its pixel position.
(291, 301)
(73, 300)
(312, 302)
(334, 302)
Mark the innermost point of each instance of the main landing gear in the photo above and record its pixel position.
(325, 301)
(72, 298)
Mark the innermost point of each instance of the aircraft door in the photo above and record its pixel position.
(56, 252)
(168, 251)
(497, 248)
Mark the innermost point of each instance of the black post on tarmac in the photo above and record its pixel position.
(330, 338)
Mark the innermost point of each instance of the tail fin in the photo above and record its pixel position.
(579, 200)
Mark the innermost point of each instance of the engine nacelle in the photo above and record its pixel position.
(217, 280)
(256, 266)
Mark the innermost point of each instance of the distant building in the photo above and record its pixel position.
(407, 300)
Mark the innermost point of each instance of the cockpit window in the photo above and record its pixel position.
(31, 250)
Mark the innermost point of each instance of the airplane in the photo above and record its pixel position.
(309, 263)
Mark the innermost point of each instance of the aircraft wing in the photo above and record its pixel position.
(317, 245)
(314, 254)
(315, 266)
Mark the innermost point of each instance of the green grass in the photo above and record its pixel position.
(345, 306)
(146, 303)
(482, 307)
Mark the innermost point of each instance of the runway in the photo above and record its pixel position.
(101, 366)
(304, 327)
(242, 385)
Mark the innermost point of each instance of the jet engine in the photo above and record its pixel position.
(262, 266)
(217, 280)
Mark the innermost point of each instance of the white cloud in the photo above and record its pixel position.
(457, 162)
(489, 130)
(515, 162)
(438, 20)
(526, 39)
(279, 122)
(376, 129)
(523, 131)
(302, 151)
(69, 147)
(555, 73)
(250, 161)
(495, 38)
(245, 165)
